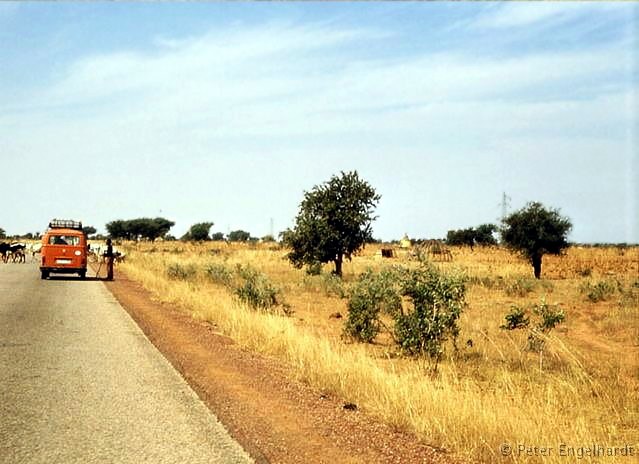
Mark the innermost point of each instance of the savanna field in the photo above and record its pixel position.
(492, 398)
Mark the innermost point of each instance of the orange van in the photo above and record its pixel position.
(64, 249)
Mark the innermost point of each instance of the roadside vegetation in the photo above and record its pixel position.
(499, 356)
(459, 344)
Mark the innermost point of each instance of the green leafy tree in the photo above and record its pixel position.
(89, 230)
(199, 232)
(334, 222)
(482, 235)
(155, 228)
(485, 234)
(3, 234)
(461, 237)
(217, 236)
(534, 231)
(118, 229)
(239, 236)
(135, 229)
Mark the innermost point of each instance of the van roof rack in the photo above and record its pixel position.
(65, 224)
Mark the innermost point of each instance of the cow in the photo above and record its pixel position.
(4, 249)
(13, 251)
(96, 251)
(35, 248)
(18, 255)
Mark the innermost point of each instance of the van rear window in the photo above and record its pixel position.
(72, 240)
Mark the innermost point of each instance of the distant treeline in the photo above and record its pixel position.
(152, 229)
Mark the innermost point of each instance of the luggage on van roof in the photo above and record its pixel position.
(65, 224)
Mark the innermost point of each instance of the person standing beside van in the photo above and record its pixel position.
(108, 254)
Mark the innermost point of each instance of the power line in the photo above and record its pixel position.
(505, 205)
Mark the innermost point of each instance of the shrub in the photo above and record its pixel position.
(176, 271)
(332, 285)
(516, 319)
(372, 295)
(547, 318)
(520, 286)
(437, 302)
(257, 291)
(434, 302)
(219, 274)
(601, 291)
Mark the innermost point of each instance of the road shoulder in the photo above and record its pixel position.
(273, 417)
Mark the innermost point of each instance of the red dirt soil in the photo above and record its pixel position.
(276, 419)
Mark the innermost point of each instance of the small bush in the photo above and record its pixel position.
(438, 300)
(521, 286)
(433, 303)
(219, 274)
(257, 291)
(372, 295)
(547, 318)
(332, 285)
(176, 271)
(600, 291)
(516, 319)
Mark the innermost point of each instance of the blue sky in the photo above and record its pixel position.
(228, 112)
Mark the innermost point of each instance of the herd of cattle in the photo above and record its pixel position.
(16, 252)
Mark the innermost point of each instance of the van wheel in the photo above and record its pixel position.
(44, 275)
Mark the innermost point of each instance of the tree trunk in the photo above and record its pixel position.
(536, 262)
(338, 265)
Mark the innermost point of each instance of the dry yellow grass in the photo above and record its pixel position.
(487, 394)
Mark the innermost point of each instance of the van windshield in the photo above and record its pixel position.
(72, 240)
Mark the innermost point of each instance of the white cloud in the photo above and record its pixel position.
(279, 82)
(520, 14)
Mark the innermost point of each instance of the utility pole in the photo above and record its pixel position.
(505, 205)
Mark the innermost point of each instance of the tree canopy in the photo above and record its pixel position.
(141, 228)
(481, 235)
(199, 232)
(334, 221)
(89, 230)
(239, 236)
(534, 231)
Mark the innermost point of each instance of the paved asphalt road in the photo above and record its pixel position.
(80, 383)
